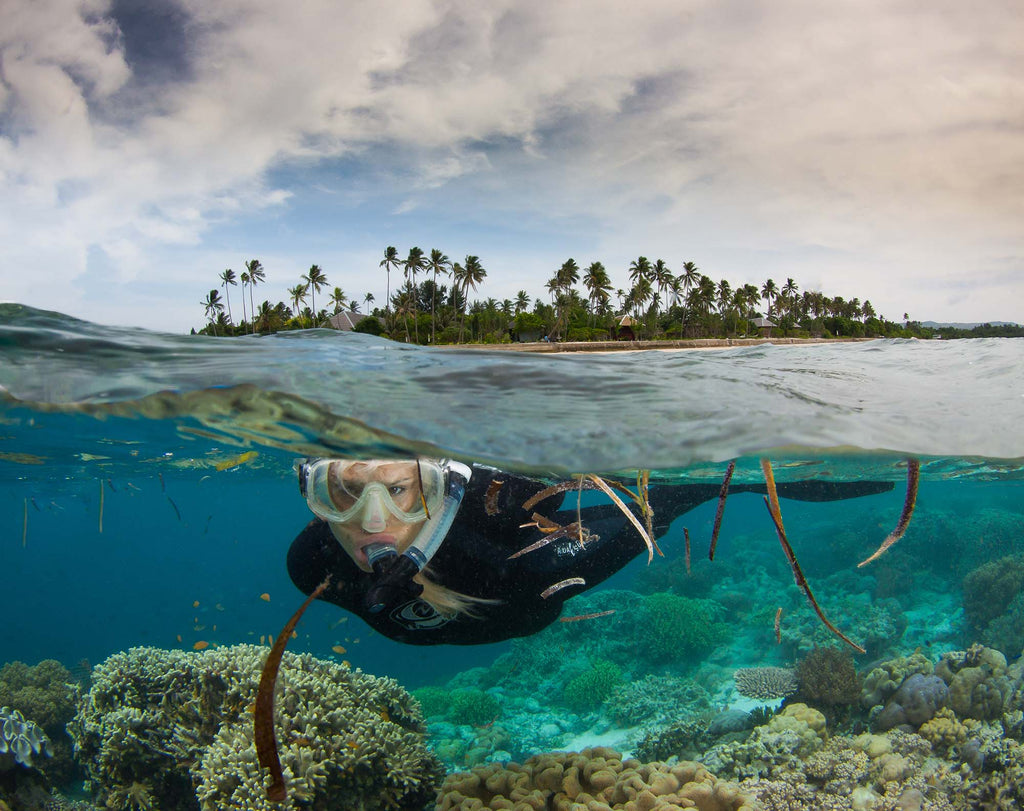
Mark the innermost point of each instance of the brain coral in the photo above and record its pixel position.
(592, 779)
(176, 727)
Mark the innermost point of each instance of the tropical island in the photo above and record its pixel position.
(658, 305)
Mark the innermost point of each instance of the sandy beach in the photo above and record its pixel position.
(637, 346)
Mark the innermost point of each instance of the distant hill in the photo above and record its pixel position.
(966, 324)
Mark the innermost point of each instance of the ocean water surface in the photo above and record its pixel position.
(148, 498)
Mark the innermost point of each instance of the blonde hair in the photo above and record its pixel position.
(448, 602)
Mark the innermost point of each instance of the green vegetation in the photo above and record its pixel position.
(658, 304)
(678, 627)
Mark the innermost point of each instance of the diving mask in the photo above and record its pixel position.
(341, 490)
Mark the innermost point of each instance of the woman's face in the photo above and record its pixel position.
(374, 522)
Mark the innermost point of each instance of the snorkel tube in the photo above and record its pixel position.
(395, 572)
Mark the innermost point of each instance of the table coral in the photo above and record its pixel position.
(596, 779)
(177, 727)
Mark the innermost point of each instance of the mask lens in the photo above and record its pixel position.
(338, 490)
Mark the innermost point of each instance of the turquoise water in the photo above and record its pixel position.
(133, 510)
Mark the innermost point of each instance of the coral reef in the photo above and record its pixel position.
(989, 589)
(592, 779)
(656, 700)
(169, 729)
(766, 683)
(677, 627)
(917, 700)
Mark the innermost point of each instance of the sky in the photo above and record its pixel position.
(868, 148)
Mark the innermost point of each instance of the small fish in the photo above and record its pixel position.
(201, 645)
(195, 603)
(199, 628)
(219, 607)
(339, 649)
(214, 629)
(178, 637)
(263, 639)
(110, 484)
(332, 625)
(265, 597)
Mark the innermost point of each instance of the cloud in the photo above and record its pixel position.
(785, 131)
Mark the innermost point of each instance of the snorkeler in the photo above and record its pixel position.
(432, 552)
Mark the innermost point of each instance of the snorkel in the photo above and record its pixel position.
(395, 572)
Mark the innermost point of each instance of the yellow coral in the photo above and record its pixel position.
(799, 717)
(944, 730)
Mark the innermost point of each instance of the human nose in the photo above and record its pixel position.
(374, 517)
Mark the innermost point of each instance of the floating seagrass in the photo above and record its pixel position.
(263, 715)
(771, 501)
(722, 494)
(913, 478)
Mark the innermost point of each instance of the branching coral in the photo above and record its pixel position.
(179, 724)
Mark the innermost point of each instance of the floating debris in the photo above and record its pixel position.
(491, 499)
(686, 543)
(594, 616)
(913, 479)
(778, 626)
(177, 512)
(101, 506)
(110, 484)
(722, 494)
(163, 486)
(562, 584)
(235, 461)
(601, 483)
(263, 714)
(24, 524)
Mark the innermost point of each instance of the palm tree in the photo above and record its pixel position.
(598, 285)
(472, 275)
(414, 263)
(228, 278)
(298, 296)
(256, 275)
(338, 299)
(368, 299)
(389, 261)
(522, 302)
(661, 276)
(769, 292)
(789, 291)
(690, 277)
(640, 268)
(315, 279)
(244, 279)
(439, 263)
(213, 306)
(353, 306)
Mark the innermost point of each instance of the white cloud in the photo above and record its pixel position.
(882, 139)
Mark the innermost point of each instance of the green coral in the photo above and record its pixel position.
(589, 689)
(176, 728)
(473, 707)
(676, 627)
(433, 700)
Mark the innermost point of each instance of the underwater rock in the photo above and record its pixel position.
(884, 680)
(593, 778)
(916, 701)
(176, 727)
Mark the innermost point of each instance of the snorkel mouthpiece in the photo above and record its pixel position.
(395, 572)
(380, 556)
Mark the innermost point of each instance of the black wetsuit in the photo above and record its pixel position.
(474, 558)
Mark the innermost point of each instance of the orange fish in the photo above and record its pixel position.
(338, 649)
(195, 603)
(263, 639)
(179, 637)
(265, 597)
(200, 645)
